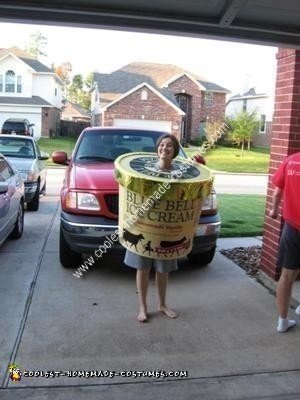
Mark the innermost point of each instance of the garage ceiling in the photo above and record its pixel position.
(275, 22)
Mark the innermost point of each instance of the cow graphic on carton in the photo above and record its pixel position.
(166, 247)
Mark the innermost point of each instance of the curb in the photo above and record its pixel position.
(237, 173)
(270, 284)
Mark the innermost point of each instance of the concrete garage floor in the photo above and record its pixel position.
(224, 338)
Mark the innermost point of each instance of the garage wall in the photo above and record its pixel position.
(164, 126)
(33, 114)
(151, 113)
(46, 120)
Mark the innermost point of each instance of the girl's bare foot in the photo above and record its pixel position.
(168, 312)
(142, 316)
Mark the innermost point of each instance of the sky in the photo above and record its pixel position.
(235, 66)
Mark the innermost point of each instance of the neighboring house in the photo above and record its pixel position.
(73, 119)
(29, 89)
(156, 96)
(74, 112)
(263, 104)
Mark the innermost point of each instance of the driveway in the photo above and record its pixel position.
(223, 343)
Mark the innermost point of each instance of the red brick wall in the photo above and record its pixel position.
(199, 112)
(50, 121)
(215, 112)
(285, 141)
(187, 86)
(154, 108)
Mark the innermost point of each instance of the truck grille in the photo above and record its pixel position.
(112, 203)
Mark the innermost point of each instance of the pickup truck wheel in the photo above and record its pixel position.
(33, 205)
(19, 224)
(202, 259)
(68, 257)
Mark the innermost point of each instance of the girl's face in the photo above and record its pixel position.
(165, 149)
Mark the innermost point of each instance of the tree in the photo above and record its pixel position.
(211, 128)
(244, 125)
(89, 81)
(37, 44)
(79, 92)
(63, 71)
(74, 89)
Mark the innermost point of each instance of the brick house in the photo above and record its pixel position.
(156, 96)
(74, 112)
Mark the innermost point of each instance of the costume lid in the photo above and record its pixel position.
(139, 172)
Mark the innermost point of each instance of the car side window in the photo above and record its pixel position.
(38, 150)
(5, 170)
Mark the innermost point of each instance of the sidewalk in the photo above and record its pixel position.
(230, 243)
(214, 171)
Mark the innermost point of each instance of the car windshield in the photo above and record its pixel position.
(14, 126)
(17, 147)
(106, 145)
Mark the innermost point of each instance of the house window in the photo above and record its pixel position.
(262, 123)
(19, 84)
(55, 92)
(244, 105)
(10, 78)
(182, 100)
(208, 99)
(144, 95)
(1, 83)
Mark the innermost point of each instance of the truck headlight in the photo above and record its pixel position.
(28, 176)
(210, 204)
(82, 201)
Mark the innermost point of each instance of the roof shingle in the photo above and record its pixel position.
(27, 58)
(36, 65)
(156, 75)
(34, 100)
(213, 87)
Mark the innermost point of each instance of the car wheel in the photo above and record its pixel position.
(19, 224)
(68, 257)
(33, 205)
(202, 259)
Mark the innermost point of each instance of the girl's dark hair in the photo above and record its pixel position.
(175, 142)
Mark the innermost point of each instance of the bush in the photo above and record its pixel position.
(198, 141)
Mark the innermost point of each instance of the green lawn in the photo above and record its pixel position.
(59, 143)
(231, 159)
(228, 159)
(241, 215)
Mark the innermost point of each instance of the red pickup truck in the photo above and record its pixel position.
(89, 196)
